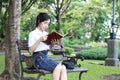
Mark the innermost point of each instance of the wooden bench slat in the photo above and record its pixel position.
(34, 71)
(77, 69)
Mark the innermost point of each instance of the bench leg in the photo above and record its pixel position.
(80, 75)
(22, 78)
(38, 77)
(22, 75)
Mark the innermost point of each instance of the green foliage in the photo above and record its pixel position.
(3, 19)
(56, 8)
(74, 44)
(94, 53)
(98, 44)
(52, 27)
(74, 41)
(119, 49)
(82, 18)
(26, 4)
(27, 23)
(69, 50)
(79, 48)
(87, 18)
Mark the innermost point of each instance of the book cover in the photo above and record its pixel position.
(53, 36)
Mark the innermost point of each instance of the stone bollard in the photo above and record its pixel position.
(112, 55)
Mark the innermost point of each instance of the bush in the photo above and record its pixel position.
(93, 53)
(69, 50)
(97, 51)
(98, 44)
(68, 41)
(119, 49)
(77, 47)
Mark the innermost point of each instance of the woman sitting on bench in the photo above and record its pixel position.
(38, 48)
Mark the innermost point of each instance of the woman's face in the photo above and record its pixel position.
(44, 25)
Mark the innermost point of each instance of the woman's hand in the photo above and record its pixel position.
(44, 38)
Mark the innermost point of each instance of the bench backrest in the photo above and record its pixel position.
(22, 44)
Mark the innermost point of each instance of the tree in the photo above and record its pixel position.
(88, 19)
(4, 5)
(57, 8)
(10, 12)
(11, 71)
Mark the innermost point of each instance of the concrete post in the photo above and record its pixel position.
(112, 55)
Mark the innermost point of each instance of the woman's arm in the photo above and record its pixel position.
(35, 45)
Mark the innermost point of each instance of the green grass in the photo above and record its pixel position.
(2, 63)
(95, 72)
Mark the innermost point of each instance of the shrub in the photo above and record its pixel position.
(78, 47)
(119, 49)
(93, 53)
(69, 50)
(98, 44)
(74, 41)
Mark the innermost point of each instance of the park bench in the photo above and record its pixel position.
(23, 46)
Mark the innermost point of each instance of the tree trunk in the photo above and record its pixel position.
(58, 17)
(58, 23)
(12, 71)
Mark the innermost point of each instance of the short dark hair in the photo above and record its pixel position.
(41, 17)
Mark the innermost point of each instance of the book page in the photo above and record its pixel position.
(53, 36)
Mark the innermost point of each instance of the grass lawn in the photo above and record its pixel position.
(95, 71)
(2, 63)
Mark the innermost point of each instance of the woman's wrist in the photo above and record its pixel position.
(40, 40)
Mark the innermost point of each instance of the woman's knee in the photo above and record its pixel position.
(58, 67)
(63, 67)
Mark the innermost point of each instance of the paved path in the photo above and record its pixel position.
(112, 77)
(1, 52)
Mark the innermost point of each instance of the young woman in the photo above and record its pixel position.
(39, 48)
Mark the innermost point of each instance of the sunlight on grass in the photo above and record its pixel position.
(2, 63)
(95, 71)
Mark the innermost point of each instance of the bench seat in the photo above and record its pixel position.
(44, 72)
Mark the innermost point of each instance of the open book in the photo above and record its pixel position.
(53, 36)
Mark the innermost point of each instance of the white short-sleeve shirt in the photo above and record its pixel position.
(34, 36)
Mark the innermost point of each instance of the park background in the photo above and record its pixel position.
(87, 23)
